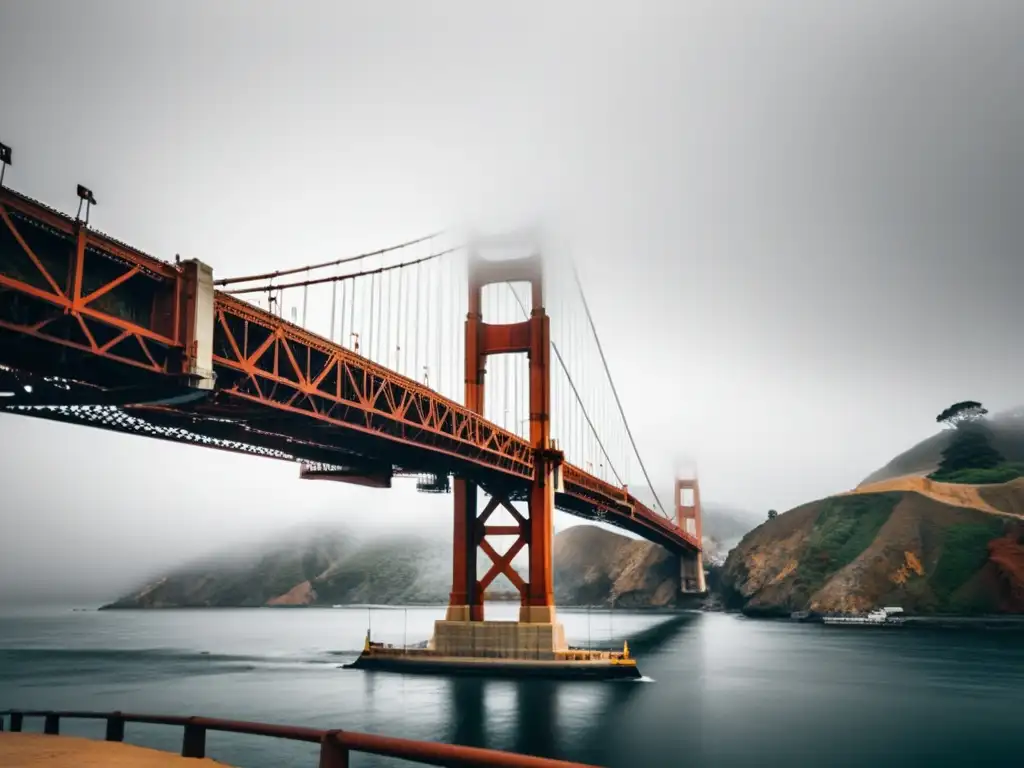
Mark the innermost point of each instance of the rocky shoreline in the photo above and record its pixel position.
(939, 621)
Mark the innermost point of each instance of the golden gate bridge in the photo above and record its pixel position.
(471, 364)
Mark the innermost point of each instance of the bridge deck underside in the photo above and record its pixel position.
(104, 318)
(193, 428)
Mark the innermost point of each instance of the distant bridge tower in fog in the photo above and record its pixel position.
(688, 518)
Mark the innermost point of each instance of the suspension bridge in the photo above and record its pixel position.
(470, 365)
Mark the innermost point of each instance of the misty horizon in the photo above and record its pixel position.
(241, 544)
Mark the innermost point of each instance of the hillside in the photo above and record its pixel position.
(1007, 437)
(320, 567)
(596, 567)
(929, 547)
(592, 567)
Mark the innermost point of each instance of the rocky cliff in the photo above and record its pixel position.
(592, 567)
(599, 568)
(928, 547)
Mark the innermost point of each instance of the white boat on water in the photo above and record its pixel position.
(880, 617)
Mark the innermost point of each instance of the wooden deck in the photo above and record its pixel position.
(36, 750)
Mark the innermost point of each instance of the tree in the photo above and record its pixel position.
(964, 412)
(969, 448)
(772, 514)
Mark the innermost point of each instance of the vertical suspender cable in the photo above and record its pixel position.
(577, 367)
(341, 330)
(382, 301)
(445, 318)
(352, 309)
(380, 313)
(401, 284)
(455, 349)
(417, 279)
(439, 340)
(391, 309)
(615, 392)
(384, 313)
(429, 326)
(334, 305)
(305, 300)
(517, 405)
(387, 306)
(367, 343)
(504, 358)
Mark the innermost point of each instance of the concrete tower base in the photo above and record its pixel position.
(691, 573)
(498, 639)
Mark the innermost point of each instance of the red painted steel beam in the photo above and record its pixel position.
(33, 209)
(52, 287)
(502, 339)
(413, 412)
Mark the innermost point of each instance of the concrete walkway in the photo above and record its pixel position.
(36, 750)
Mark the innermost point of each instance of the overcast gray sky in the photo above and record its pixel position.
(799, 224)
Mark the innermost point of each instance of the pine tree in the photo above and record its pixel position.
(969, 448)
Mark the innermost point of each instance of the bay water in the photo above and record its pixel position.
(719, 690)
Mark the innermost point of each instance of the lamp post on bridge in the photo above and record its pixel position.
(85, 196)
(5, 160)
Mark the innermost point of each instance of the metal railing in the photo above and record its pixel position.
(335, 745)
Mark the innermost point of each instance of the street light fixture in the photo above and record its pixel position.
(5, 160)
(86, 196)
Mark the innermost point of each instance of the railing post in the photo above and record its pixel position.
(51, 724)
(16, 721)
(115, 727)
(333, 754)
(193, 744)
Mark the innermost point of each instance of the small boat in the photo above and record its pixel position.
(880, 617)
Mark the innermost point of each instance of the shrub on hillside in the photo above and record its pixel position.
(1003, 473)
(964, 552)
(845, 527)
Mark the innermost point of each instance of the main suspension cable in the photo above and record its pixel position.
(339, 278)
(572, 385)
(611, 382)
(321, 265)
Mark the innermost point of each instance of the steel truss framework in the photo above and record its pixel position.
(501, 564)
(274, 363)
(587, 496)
(105, 321)
(106, 305)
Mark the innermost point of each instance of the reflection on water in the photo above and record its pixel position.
(555, 719)
(726, 692)
(467, 712)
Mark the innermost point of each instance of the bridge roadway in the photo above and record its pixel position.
(96, 332)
